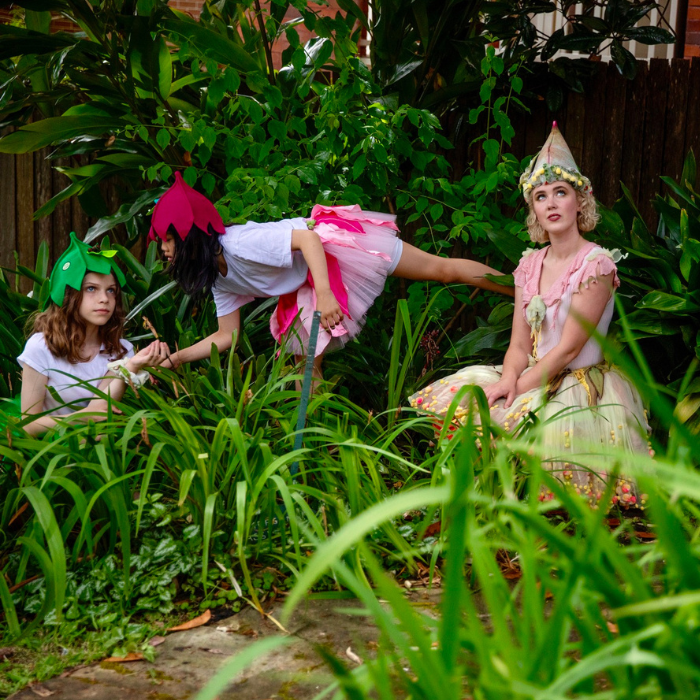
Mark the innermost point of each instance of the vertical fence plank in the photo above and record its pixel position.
(575, 125)
(8, 211)
(25, 212)
(634, 130)
(62, 222)
(607, 188)
(79, 219)
(676, 110)
(594, 131)
(692, 121)
(654, 125)
(43, 191)
(537, 130)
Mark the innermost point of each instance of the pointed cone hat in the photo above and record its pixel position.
(552, 164)
(183, 207)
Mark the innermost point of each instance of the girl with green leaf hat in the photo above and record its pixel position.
(554, 373)
(76, 360)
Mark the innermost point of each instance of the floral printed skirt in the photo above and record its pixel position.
(579, 412)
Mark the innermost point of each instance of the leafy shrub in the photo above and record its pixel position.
(661, 284)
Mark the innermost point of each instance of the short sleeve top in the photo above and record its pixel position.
(70, 381)
(591, 262)
(260, 263)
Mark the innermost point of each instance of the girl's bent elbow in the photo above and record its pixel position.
(224, 341)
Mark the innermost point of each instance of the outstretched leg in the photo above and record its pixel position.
(416, 264)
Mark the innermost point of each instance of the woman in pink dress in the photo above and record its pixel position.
(554, 367)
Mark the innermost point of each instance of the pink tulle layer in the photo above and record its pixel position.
(365, 245)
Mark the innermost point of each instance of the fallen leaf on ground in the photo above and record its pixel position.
(40, 690)
(512, 574)
(432, 530)
(155, 641)
(6, 652)
(353, 656)
(131, 656)
(196, 622)
(645, 535)
(613, 628)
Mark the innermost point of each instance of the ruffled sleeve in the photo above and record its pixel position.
(525, 267)
(527, 274)
(597, 263)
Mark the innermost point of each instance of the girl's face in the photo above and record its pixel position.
(556, 207)
(167, 247)
(99, 298)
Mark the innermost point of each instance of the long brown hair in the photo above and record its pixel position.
(64, 329)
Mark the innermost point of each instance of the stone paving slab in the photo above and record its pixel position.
(185, 661)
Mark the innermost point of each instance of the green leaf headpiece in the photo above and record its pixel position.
(75, 263)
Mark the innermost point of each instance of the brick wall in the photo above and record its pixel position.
(193, 8)
(692, 34)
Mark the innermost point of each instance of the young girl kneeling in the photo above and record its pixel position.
(76, 344)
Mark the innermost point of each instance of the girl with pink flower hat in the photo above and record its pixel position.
(337, 261)
(554, 368)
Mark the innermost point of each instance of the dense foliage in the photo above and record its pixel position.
(185, 500)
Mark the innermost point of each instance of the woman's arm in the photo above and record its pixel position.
(587, 307)
(309, 243)
(516, 359)
(228, 325)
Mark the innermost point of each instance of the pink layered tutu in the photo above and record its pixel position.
(362, 249)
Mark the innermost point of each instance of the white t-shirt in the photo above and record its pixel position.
(62, 375)
(260, 263)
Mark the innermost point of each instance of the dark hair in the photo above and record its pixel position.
(194, 266)
(64, 329)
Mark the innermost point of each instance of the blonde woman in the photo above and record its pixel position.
(554, 367)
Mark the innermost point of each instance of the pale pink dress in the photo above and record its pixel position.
(573, 431)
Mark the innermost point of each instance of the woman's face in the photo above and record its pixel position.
(99, 298)
(167, 247)
(556, 207)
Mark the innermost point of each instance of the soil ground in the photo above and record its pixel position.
(185, 661)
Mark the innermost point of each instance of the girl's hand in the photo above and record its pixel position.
(505, 388)
(151, 356)
(331, 313)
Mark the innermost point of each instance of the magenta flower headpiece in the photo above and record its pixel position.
(183, 207)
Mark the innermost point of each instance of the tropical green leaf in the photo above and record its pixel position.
(54, 130)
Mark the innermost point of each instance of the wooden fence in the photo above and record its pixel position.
(618, 130)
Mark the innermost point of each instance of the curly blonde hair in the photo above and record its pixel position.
(586, 220)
